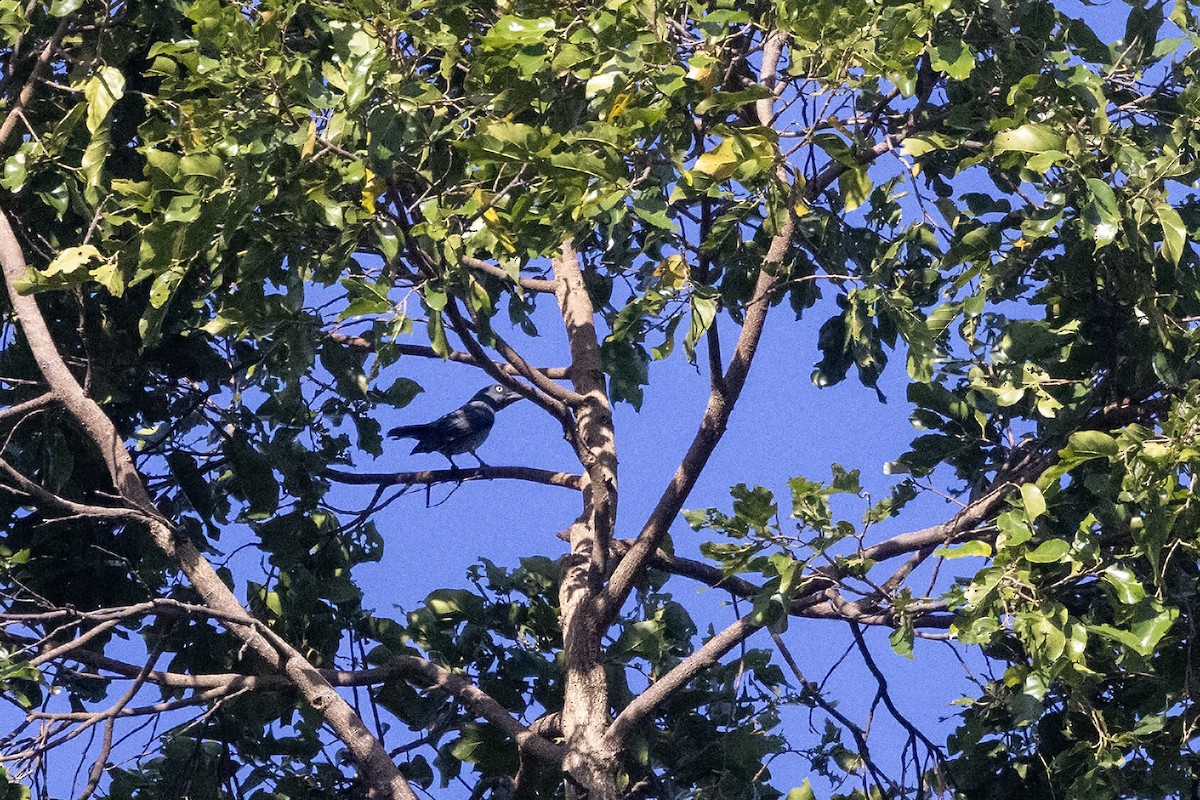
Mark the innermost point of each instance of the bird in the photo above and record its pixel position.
(462, 430)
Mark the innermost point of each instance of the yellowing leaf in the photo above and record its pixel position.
(856, 187)
(72, 260)
(719, 163)
(1031, 138)
(619, 105)
(372, 188)
(972, 548)
(672, 271)
(310, 141)
(494, 222)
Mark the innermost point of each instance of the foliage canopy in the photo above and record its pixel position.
(227, 227)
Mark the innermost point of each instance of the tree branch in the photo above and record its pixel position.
(708, 654)
(435, 476)
(457, 356)
(28, 407)
(538, 285)
(590, 763)
(557, 408)
(39, 72)
(722, 396)
(380, 773)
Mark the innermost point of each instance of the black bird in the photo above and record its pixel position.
(463, 429)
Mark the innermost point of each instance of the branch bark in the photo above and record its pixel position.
(724, 392)
(433, 476)
(591, 761)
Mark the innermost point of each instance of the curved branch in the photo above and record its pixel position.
(538, 285)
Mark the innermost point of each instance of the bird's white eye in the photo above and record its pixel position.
(498, 388)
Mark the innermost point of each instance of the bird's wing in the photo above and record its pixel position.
(471, 418)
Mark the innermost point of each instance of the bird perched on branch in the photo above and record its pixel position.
(463, 429)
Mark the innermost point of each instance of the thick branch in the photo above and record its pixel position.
(590, 763)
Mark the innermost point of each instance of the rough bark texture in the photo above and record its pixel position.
(590, 763)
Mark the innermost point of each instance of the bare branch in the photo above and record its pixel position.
(539, 285)
(557, 408)
(722, 397)
(457, 356)
(435, 476)
(813, 692)
(20, 410)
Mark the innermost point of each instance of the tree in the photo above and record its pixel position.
(226, 228)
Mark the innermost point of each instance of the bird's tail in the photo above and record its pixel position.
(408, 432)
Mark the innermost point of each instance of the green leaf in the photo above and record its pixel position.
(1049, 551)
(704, 311)
(14, 171)
(802, 792)
(856, 186)
(1174, 231)
(102, 91)
(1030, 138)
(953, 58)
(72, 262)
(61, 8)
(1090, 444)
(1032, 499)
(901, 640)
(1101, 214)
(1151, 623)
(1129, 589)
(512, 30)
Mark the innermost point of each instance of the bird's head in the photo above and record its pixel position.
(497, 396)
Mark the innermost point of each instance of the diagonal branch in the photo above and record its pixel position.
(556, 407)
(642, 706)
(722, 397)
(365, 343)
(35, 77)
